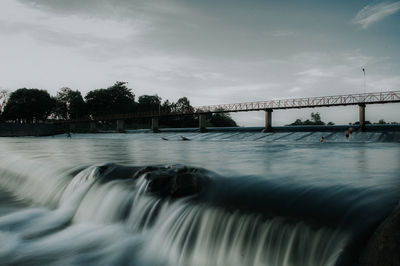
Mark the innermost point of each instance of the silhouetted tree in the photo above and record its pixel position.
(315, 120)
(316, 117)
(183, 106)
(221, 120)
(70, 104)
(29, 105)
(298, 122)
(117, 99)
(4, 94)
(149, 103)
(167, 106)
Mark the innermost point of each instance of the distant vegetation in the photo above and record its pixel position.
(315, 120)
(380, 122)
(34, 105)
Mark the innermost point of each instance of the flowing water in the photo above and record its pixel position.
(222, 198)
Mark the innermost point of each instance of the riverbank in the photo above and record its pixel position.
(22, 130)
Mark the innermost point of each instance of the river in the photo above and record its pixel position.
(220, 198)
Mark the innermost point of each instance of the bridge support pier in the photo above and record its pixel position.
(361, 115)
(268, 119)
(92, 126)
(202, 122)
(154, 124)
(121, 126)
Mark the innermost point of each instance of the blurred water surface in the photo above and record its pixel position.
(52, 211)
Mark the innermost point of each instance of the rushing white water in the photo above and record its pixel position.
(59, 207)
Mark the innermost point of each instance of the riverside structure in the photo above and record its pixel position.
(361, 99)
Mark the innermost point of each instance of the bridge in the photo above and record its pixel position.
(360, 99)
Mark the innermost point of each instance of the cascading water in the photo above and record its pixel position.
(69, 213)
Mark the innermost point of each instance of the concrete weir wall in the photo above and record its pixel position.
(20, 130)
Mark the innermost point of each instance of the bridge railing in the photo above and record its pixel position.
(350, 99)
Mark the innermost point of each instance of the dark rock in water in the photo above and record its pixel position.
(383, 248)
(184, 184)
(109, 172)
(144, 170)
(159, 182)
(171, 181)
(176, 182)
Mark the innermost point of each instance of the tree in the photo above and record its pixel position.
(167, 107)
(149, 103)
(29, 105)
(316, 117)
(4, 94)
(183, 106)
(298, 122)
(222, 120)
(117, 99)
(70, 104)
(315, 120)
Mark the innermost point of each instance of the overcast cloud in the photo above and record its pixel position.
(210, 51)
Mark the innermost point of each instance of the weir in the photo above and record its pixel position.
(200, 232)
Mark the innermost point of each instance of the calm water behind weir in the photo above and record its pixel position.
(222, 198)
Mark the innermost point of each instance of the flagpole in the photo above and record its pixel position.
(364, 80)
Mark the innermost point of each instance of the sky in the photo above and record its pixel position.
(211, 51)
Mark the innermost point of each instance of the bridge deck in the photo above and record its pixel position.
(310, 102)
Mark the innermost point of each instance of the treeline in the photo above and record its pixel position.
(380, 122)
(315, 120)
(34, 105)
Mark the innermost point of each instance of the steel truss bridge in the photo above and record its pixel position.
(360, 99)
(307, 102)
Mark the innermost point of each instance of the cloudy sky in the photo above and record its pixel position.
(212, 51)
